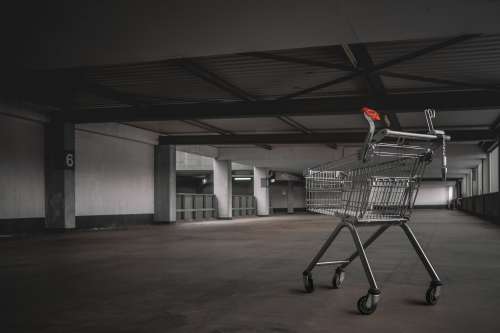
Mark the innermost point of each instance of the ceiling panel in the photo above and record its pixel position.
(158, 79)
(169, 127)
(250, 125)
(332, 122)
(450, 118)
(265, 78)
(476, 60)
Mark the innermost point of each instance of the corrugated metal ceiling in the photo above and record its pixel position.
(474, 61)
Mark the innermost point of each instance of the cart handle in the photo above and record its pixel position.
(434, 135)
(387, 133)
(370, 116)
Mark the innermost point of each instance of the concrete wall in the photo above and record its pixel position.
(279, 194)
(433, 194)
(22, 185)
(113, 175)
(114, 172)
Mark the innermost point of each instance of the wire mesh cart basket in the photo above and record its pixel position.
(375, 187)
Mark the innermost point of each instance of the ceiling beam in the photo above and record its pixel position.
(295, 124)
(208, 127)
(211, 128)
(411, 77)
(203, 73)
(400, 103)
(361, 59)
(301, 128)
(283, 58)
(386, 64)
(332, 137)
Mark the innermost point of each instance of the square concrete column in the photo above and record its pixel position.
(60, 175)
(165, 184)
(223, 188)
(261, 190)
(289, 198)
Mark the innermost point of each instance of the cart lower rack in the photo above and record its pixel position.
(376, 187)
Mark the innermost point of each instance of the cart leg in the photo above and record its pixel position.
(364, 260)
(323, 249)
(367, 243)
(434, 290)
(420, 252)
(367, 304)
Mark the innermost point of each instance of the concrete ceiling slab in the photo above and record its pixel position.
(64, 34)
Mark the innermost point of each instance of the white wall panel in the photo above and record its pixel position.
(433, 193)
(113, 175)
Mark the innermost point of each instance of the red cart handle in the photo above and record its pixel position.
(370, 113)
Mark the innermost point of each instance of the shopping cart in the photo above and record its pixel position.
(375, 187)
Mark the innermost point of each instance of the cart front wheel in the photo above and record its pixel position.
(432, 295)
(338, 278)
(366, 305)
(308, 283)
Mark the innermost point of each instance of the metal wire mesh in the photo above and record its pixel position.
(382, 189)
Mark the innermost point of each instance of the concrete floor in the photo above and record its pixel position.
(245, 276)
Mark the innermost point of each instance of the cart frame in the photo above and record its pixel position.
(330, 189)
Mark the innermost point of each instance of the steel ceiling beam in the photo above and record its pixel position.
(208, 127)
(295, 124)
(204, 125)
(400, 103)
(361, 59)
(216, 80)
(292, 123)
(332, 137)
(283, 58)
(203, 73)
(386, 64)
(411, 77)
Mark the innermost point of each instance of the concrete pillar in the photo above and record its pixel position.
(289, 198)
(261, 190)
(480, 179)
(223, 188)
(486, 175)
(60, 175)
(165, 184)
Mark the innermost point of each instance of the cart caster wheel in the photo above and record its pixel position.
(368, 304)
(308, 283)
(338, 278)
(432, 295)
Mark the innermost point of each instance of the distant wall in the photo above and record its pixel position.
(279, 195)
(433, 194)
(22, 185)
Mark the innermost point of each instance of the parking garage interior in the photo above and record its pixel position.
(155, 157)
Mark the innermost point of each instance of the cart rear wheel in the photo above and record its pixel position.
(308, 283)
(366, 306)
(338, 278)
(432, 295)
